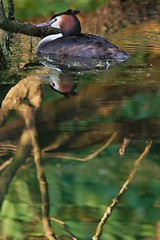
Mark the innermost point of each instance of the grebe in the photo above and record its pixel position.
(71, 42)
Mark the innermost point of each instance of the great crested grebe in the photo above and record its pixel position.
(71, 42)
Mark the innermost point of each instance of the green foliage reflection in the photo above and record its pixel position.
(16, 210)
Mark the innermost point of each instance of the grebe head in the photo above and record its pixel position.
(67, 22)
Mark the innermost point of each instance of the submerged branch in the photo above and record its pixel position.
(28, 88)
(9, 172)
(115, 201)
(43, 187)
(90, 156)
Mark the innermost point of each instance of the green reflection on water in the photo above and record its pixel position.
(79, 193)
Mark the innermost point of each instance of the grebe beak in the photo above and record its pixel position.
(44, 24)
(55, 22)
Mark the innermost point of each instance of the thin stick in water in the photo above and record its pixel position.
(115, 201)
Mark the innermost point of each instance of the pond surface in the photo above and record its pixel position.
(90, 130)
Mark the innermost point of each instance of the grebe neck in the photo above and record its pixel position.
(49, 38)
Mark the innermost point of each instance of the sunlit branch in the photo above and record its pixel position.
(90, 156)
(115, 201)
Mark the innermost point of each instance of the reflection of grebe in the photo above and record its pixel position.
(63, 85)
(71, 42)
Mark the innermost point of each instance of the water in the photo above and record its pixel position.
(117, 104)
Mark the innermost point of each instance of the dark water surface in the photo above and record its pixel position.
(96, 112)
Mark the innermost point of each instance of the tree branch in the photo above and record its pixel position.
(7, 24)
(25, 28)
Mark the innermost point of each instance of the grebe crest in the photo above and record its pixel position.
(67, 22)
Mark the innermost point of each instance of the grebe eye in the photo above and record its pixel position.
(55, 22)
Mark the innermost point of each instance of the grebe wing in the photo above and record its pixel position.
(84, 38)
(98, 39)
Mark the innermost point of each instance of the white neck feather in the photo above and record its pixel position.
(49, 39)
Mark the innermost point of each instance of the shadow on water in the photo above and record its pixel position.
(72, 128)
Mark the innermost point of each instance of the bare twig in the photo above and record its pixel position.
(90, 156)
(120, 194)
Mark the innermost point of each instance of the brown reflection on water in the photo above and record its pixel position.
(90, 117)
